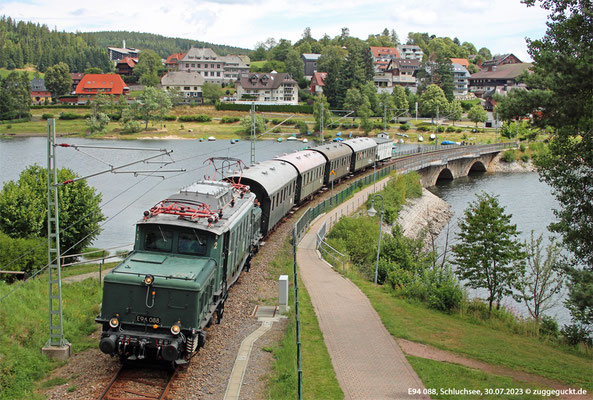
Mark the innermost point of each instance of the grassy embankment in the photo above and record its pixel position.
(24, 321)
(319, 379)
(502, 340)
(491, 341)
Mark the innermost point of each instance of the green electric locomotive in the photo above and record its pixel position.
(189, 249)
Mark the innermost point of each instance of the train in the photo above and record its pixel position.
(190, 248)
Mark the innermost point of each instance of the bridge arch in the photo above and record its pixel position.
(477, 166)
(445, 175)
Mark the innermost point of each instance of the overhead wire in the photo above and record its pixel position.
(228, 148)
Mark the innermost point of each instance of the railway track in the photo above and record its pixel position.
(132, 383)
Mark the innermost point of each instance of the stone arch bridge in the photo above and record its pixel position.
(438, 163)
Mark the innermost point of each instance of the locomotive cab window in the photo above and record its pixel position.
(192, 243)
(158, 239)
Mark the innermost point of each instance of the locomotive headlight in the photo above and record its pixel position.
(114, 322)
(148, 280)
(175, 329)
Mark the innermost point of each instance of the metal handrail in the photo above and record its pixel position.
(321, 242)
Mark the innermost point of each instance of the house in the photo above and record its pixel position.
(76, 77)
(399, 72)
(234, 66)
(172, 61)
(204, 61)
(464, 62)
(498, 60)
(410, 52)
(273, 87)
(92, 84)
(500, 79)
(117, 53)
(213, 68)
(310, 61)
(188, 83)
(317, 82)
(126, 65)
(383, 55)
(39, 94)
(460, 79)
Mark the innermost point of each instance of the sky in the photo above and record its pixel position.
(500, 25)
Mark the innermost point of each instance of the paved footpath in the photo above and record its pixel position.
(368, 362)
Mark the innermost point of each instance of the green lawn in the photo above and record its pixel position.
(478, 340)
(24, 322)
(4, 72)
(442, 379)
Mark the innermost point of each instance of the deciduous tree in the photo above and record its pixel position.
(477, 114)
(562, 71)
(211, 92)
(23, 209)
(431, 100)
(148, 67)
(454, 111)
(58, 80)
(543, 279)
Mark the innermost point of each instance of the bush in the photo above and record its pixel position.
(114, 117)
(404, 127)
(132, 126)
(302, 126)
(548, 327)
(525, 157)
(229, 120)
(47, 116)
(450, 129)
(458, 130)
(574, 334)
(440, 129)
(509, 156)
(33, 252)
(195, 118)
(70, 116)
(437, 287)
(423, 129)
(170, 117)
(266, 108)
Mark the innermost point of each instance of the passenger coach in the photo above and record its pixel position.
(364, 150)
(274, 185)
(310, 166)
(338, 158)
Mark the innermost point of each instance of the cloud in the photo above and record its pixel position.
(500, 26)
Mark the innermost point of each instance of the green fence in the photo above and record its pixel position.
(407, 161)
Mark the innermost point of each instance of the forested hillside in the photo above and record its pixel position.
(28, 43)
(162, 45)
